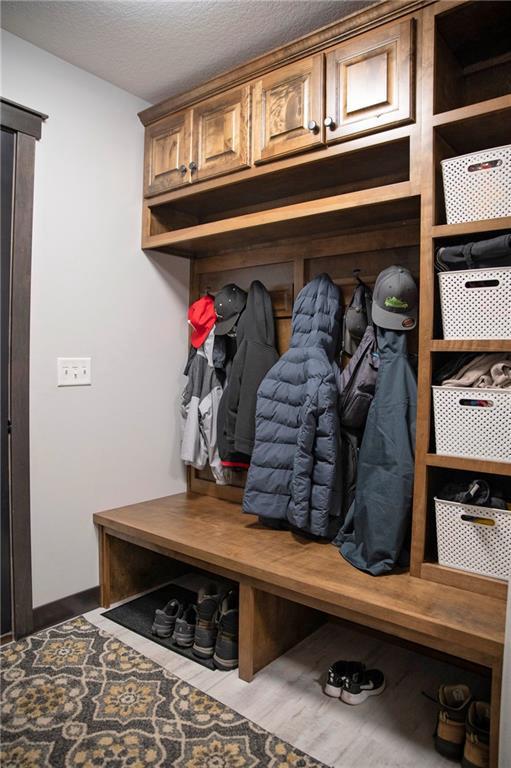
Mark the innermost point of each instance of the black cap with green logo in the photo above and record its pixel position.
(395, 300)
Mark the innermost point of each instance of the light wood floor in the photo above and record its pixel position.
(393, 730)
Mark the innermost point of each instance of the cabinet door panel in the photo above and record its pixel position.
(370, 82)
(284, 103)
(167, 152)
(221, 134)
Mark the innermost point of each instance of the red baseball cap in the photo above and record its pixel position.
(202, 317)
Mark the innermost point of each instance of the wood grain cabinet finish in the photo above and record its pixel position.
(221, 134)
(369, 82)
(167, 153)
(284, 103)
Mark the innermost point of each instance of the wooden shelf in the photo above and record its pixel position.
(473, 582)
(470, 345)
(470, 465)
(489, 107)
(471, 228)
(380, 205)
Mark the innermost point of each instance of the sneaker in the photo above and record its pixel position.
(184, 631)
(165, 619)
(338, 672)
(476, 753)
(226, 646)
(206, 628)
(357, 688)
(454, 701)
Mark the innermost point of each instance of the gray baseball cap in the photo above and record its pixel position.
(395, 300)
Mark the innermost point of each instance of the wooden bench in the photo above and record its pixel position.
(287, 584)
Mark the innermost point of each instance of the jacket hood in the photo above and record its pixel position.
(317, 315)
(257, 323)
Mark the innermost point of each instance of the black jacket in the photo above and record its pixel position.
(255, 355)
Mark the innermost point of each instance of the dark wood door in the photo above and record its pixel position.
(221, 134)
(288, 109)
(7, 144)
(167, 153)
(369, 82)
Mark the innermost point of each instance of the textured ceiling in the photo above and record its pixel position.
(159, 49)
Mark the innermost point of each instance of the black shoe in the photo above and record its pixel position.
(226, 646)
(338, 672)
(206, 629)
(361, 685)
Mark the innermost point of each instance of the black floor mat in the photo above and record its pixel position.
(138, 615)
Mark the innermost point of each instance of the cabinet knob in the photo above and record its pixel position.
(313, 126)
(193, 166)
(183, 169)
(329, 122)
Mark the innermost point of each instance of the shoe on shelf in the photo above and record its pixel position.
(454, 701)
(476, 753)
(226, 646)
(184, 631)
(165, 618)
(206, 629)
(357, 688)
(338, 672)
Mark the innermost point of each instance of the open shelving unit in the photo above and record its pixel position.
(466, 108)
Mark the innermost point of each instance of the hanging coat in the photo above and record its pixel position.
(255, 355)
(378, 522)
(199, 411)
(294, 475)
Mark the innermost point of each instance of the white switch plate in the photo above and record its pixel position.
(73, 371)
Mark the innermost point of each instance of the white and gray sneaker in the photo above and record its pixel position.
(361, 685)
(165, 618)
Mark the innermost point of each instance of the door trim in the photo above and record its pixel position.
(27, 125)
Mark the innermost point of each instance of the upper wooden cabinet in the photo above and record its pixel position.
(221, 134)
(369, 82)
(167, 153)
(288, 109)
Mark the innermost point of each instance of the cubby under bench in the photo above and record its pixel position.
(288, 584)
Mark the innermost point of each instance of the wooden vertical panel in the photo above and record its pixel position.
(496, 696)
(298, 275)
(104, 566)
(269, 626)
(19, 384)
(427, 277)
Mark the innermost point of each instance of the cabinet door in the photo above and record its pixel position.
(221, 134)
(167, 153)
(285, 103)
(369, 82)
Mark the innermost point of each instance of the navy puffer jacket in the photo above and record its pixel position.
(294, 474)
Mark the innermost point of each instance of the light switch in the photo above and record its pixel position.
(73, 371)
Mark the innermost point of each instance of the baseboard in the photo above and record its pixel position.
(65, 608)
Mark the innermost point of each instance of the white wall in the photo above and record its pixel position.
(94, 293)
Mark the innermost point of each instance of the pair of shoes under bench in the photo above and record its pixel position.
(351, 682)
(176, 621)
(165, 618)
(216, 632)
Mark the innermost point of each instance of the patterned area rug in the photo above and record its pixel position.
(77, 697)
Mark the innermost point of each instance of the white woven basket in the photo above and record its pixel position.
(478, 186)
(473, 431)
(471, 546)
(476, 303)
